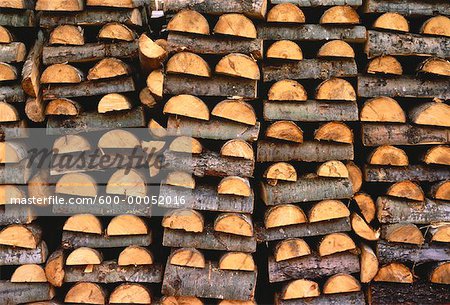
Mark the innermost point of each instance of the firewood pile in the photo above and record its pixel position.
(229, 152)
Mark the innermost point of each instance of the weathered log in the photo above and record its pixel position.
(208, 240)
(417, 293)
(17, 18)
(109, 272)
(72, 240)
(12, 52)
(381, 43)
(308, 151)
(12, 94)
(177, 42)
(209, 164)
(302, 230)
(403, 86)
(394, 134)
(214, 129)
(17, 293)
(17, 214)
(31, 68)
(18, 256)
(17, 173)
(209, 282)
(408, 7)
(205, 197)
(350, 298)
(14, 130)
(89, 52)
(312, 266)
(311, 32)
(374, 173)
(403, 253)
(102, 209)
(212, 86)
(309, 68)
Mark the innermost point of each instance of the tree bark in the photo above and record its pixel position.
(309, 68)
(18, 18)
(377, 134)
(408, 7)
(17, 293)
(11, 256)
(312, 266)
(12, 94)
(391, 210)
(403, 86)
(16, 173)
(12, 52)
(349, 298)
(303, 230)
(404, 253)
(13, 130)
(209, 282)
(308, 151)
(314, 3)
(380, 43)
(311, 32)
(16, 214)
(71, 240)
(213, 86)
(208, 240)
(374, 173)
(177, 42)
(102, 209)
(31, 68)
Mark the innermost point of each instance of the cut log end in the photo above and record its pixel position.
(385, 65)
(86, 223)
(382, 109)
(299, 289)
(130, 294)
(63, 106)
(108, 68)
(341, 283)
(392, 21)
(186, 145)
(232, 223)
(235, 110)
(355, 175)
(84, 256)
(336, 89)
(286, 131)
(188, 63)
(113, 102)
(281, 171)
(188, 106)
(438, 155)
(180, 179)
(388, 155)
(237, 148)
(286, 12)
(30, 273)
(441, 190)
(19, 236)
(189, 21)
(403, 233)
(67, 34)
(406, 189)
(284, 215)
(441, 274)
(341, 14)
(431, 113)
(285, 49)
(116, 31)
(127, 183)
(184, 219)
(85, 292)
(435, 66)
(369, 264)
(287, 90)
(135, 256)
(234, 185)
(155, 82)
(238, 65)
(5, 35)
(366, 206)
(333, 169)
(335, 243)
(394, 273)
(126, 225)
(151, 54)
(328, 209)
(61, 74)
(238, 261)
(235, 25)
(363, 229)
(438, 25)
(188, 257)
(336, 48)
(291, 248)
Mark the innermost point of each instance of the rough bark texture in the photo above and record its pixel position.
(314, 3)
(350, 298)
(18, 18)
(13, 130)
(17, 256)
(309, 68)
(16, 173)
(212, 86)
(404, 253)
(374, 173)
(17, 293)
(205, 197)
(110, 272)
(408, 7)
(208, 164)
(303, 230)
(12, 94)
(12, 52)
(72, 240)
(377, 134)
(308, 151)
(13, 213)
(312, 266)
(214, 129)
(392, 210)
(312, 32)
(310, 111)
(208, 240)
(31, 68)
(403, 86)
(209, 282)
(102, 209)
(381, 43)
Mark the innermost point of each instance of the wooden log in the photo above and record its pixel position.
(16, 293)
(31, 68)
(318, 3)
(403, 86)
(396, 44)
(390, 210)
(403, 134)
(17, 173)
(213, 86)
(302, 230)
(12, 52)
(16, 214)
(17, 256)
(72, 240)
(18, 18)
(109, 272)
(312, 266)
(14, 130)
(89, 52)
(209, 282)
(373, 173)
(209, 164)
(309, 68)
(205, 197)
(12, 94)
(102, 209)
(408, 7)
(308, 151)
(311, 32)
(208, 240)
(403, 253)
(354, 298)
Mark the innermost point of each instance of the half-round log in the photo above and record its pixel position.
(291, 248)
(84, 256)
(86, 223)
(336, 89)
(235, 25)
(127, 182)
(186, 144)
(406, 189)
(388, 155)
(238, 261)
(335, 243)
(382, 109)
(237, 148)
(67, 34)
(188, 106)
(234, 185)
(188, 257)
(284, 49)
(286, 131)
(385, 64)
(77, 184)
(287, 90)
(188, 63)
(116, 31)
(336, 48)
(135, 256)
(235, 110)
(183, 219)
(63, 106)
(286, 12)
(238, 65)
(328, 209)
(284, 215)
(340, 14)
(113, 102)
(189, 21)
(438, 25)
(392, 21)
(233, 223)
(62, 74)
(124, 225)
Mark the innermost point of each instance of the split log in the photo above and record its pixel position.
(35, 108)
(70, 5)
(284, 49)
(62, 73)
(14, 130)
(394, 210)
(187, 257)
(298, 289)
(392, 21)
(184, 219)
(238, 261)
(188, 63)
(15, 293)
(12, 94)
(440, 274)
(355, 176)
(388, 155)
(385, 64)
(54, 268)
(237, 148)
(406, 233)
(225, 26)
(89, 52)
(238, 65)
(235, 110)
(394, 273)
(356, 298)
(382, 109)
(189, 21)
(284, 215)
(332, 169)
(151, 54)
(84, 256)
(368, 263)
(407, 253)
(440, 233)
(63, 106)
(135, 256)
(435, 66)
(234, 223)
(408, 8)
(340, 14)
(126, 225)
(67, 34)
(155, 82)
(334, 132)
(431, 113)
(12, 151)
(186, 145)
(22, 236)
(17, 256)
(286, 12)
(380, 43)
(31, 68)
(77, 184)
(127, 182)
(7, 72)
(117, 138)
(336, 49)
(113, 3)
(75, 239)
(12, 52)
(311, 32)
(328, 209)
(309, 68)
(437, 25)
(113, 102)
(341, 283)
(310, 111)
(291, 248)
(411, 172)
(188, 106)
(441, 190)
(30, 273)
(286, 131)
(108, 68)
(335, 243)
(335, 89)
(406, 189)
(280, 171)
(18, 18)
(116, 31)
(287, 90)
(312, 266)
(84, 292)
(209, 282)
(308, 151)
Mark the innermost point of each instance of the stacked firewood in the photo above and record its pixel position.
(405, 105)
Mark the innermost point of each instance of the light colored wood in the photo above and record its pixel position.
(188, 257)
(77, 184)
(328, 209)
(291, 248)
(181, 179)
(10, 193)
(234, 185)
(431, 113)
(156, 129)
(184, 219)
(441, 190)
(12, 152)
(19, 236)
(188, 106)
(116, 3)
(394, 273)
(285, 49)
(8, 113)
(7, 72)
(368, 263)
(299, 289)
(335, 243)
(238, 261)
(436, 66)
(54, 268)
(85, 292)
(363, 229)
(392, 21)
(233, 223)
(385, 64)
(67, 34)
(135, 256)
(125, 225)
(286, 12)
(382, 109)
(234, 302)
(71, 143)
(84, 256)
(238, 65)
(187, 145)
(86, 223)
(440, 233)
(62, 74)
(441, 274)
(108, 68)
(130, 293)
(190, 22)
(336, 89)
(180, 300)
(332, 169)
(406, 189)
(340, 14)
(355, 175)
(287, 90)
(438, 155)
(235, 25)
(155, 82)
(341, 283)
(29, 273)
(63, 106)
(366, 206)
(119, 138)
(128, 183)
(151, 54)
(388, 155)
(5, 35)
(284, 215)
(113, 102)
(235, 110)
(116, 31)
(237, 148)
(437, 25)
(336, 48)
(280, 171)
(52, 5)
(406, 233)
(146, 98)
(286, 131)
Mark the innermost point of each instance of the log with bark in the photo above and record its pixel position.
(12, 94)
(18, 256)
(408, 7)
(12, 52)
(31, 68)
(18, 18)
(14, 130)
(102, 209)
(16, 214)
(16, 173)
(17, 293)
(72, 240)
(353, 298)
(403, 253)
(375, 173)
(317, 3)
